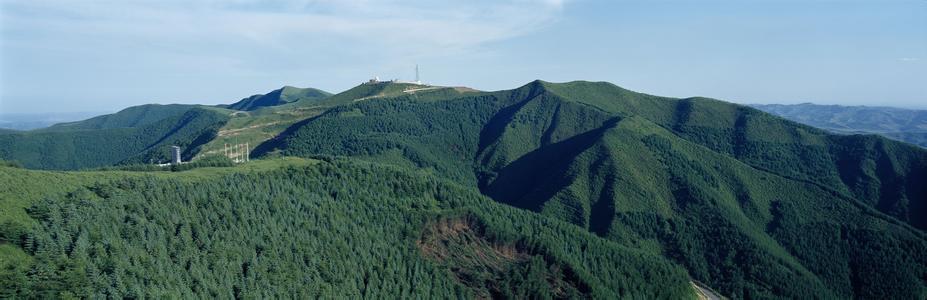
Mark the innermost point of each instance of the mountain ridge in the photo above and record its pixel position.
(748, 203)
(605, 144)
(133, 116)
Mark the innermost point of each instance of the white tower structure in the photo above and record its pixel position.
(417, 79)
(175, 155)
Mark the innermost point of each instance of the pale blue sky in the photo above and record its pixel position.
(60, 56)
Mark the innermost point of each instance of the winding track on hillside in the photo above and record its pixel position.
(704, 293)
(411, 91)
(228, 132)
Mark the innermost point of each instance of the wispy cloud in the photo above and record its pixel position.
(215, 50)
(392, 26)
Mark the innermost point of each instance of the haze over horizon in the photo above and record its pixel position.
(108, 55)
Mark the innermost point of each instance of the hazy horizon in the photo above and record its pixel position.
(58, 57)
(69, 116)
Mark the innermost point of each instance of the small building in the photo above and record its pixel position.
(175, 155)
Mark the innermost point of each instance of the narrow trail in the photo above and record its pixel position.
(423, 89)
(237, 130)
(704, 293)
(409, 91)
(368, 97)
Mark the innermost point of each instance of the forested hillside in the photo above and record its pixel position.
(135, 116)
(751, 204)
(141, 136)
(299, 229)
(549, 190)
(906, 125)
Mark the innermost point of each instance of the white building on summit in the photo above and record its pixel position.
(376, 79)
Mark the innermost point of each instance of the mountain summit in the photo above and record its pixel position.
(284, 95)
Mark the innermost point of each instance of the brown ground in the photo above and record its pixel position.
(461, 245)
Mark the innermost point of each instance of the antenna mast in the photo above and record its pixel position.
(417, 80)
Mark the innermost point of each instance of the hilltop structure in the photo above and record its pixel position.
(376, 79)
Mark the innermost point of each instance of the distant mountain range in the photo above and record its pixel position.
(906, 125)
(401, 190)
(27, 121)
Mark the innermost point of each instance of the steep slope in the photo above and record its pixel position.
(281, 96)
(699, 180)
(640, 184)
(906, 125)
(87, 148)
(302, 229)
(877, 171)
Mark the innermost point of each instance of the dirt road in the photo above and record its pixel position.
(705, 293)
(228, 132)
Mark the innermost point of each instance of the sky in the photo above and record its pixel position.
(72, 56)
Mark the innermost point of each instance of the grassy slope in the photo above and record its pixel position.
(106, 142)
(256, 126)
(554, 148)
(369, 91)
(264, 122)
(288, 232)
(284, 95)
(270, 114)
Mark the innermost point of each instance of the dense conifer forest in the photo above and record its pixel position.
(306, 229)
